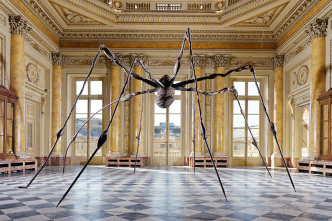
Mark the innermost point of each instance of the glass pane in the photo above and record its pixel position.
(174, 127)
(96, 126)
(252, 150)
(253, 107)
(236, 108)
(2, 108)
(96, 105)
(174, 149)
(1, 144)
(9, 145)
(175, 107)
(9, 127)
(255, 133)
(238, 149)
(82, 106)
(174, 120)
(1, 126)
(93, 147)
(160, 120)
(82, 135)
(80, 119)
(79, 85)
(238, 135)
(253, 121)
(252, 89)
(96, 87)
(240, 87)
(10, 111)
(159, 110)
(159, 148)
(238, 121)
(80, 148)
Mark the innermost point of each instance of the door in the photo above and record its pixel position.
(243, 152)
(90, 102)
(304, 143)
(167, 135)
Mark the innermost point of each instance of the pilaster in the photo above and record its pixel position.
(199, 62)
(18, 30)
(137, 105)
(115, 133)
(317, 32)
(220, 62)
(57, 61)
(278, 63)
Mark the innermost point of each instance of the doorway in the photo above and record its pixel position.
(167, 134)
(243, 152)
(91, 101)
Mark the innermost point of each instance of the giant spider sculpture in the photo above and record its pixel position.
(165, 88)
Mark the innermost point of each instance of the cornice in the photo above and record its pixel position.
(45, 16)
(294, 16)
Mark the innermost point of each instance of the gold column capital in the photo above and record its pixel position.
(278, 61)
(220, 60)
(317, 28)
(199, 60)
(57, 59)
(140, 56)
(18, 25)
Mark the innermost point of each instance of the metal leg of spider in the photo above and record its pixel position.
(179, 86)
(138, 137)
(203, 130)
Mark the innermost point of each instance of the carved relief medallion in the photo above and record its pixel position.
(33, 74)
(302, 75)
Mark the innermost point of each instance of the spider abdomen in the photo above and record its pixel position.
(165, 97)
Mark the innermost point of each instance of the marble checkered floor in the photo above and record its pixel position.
(165, 193)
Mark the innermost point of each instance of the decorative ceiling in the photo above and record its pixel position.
(253, 21)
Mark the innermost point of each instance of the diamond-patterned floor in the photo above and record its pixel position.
(165, 193)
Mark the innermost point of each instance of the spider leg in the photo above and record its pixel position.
(138, 137)
(61, 131)
(103, 137)
(123, 99)
(200, 113)
(272, 125)
(254, 142)
(178, 62)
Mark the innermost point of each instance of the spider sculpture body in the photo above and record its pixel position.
(165, 88)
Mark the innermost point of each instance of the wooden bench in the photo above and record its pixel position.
(207, 162)
(126, 161)
(315, 167)
(7, 166)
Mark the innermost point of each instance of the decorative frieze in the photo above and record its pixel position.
(299, 49)
(317, 28)
(278, 61)
(57, 59)
(163, 62)
(199, 60)
(220, 60)
(257, 63)
(18, 25)
(37, 47)
(119, 57)
(140, 57)
(84, 61)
